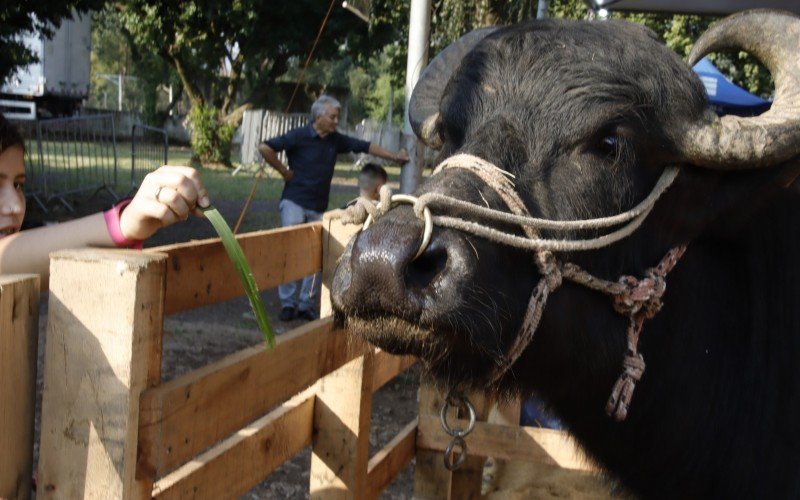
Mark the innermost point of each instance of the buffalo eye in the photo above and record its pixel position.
(610, 147)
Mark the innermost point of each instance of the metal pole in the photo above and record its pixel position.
(133, 156)
(391, 104)
(119, 92)
(418, 37)
(541, 12)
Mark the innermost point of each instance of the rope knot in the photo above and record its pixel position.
(622, 393)
(362, 208)
(550, 269)
(640, 296)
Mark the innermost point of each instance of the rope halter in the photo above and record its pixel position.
(637, 299)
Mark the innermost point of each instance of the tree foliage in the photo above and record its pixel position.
(146, 76)
(18, 17)
(679, 32)
(211, 138)
(453, 18)
(221, 48)
(228, 55)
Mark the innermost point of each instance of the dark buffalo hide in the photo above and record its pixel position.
(587, 115)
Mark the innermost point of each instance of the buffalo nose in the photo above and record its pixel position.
(385, 276)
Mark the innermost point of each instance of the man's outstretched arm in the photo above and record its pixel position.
(400, 157)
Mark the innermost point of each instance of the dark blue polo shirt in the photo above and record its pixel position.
(312, 159)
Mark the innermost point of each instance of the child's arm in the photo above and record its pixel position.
(180, 193)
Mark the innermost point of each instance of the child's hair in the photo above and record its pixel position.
(9, 135)
(370, 175)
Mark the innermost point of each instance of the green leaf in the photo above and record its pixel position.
(243, 269)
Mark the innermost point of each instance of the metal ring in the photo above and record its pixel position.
(454, 463)
(428, 219)
(457, 432)
(158, 192)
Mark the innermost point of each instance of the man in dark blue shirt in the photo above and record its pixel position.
(312, 152)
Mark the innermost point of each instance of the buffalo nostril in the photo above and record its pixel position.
(421, 271)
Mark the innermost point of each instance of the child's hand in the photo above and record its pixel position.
(166, 196)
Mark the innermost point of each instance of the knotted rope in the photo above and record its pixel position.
(637, 299)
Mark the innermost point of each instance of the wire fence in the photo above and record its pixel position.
(34, 184)
(77, 155)
(149, 150)
(68, 158)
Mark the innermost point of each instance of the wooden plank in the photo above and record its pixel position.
(191, 413)
(388, 366)
(244, 460)
(342, 412)
(19, 333)
(431, 478)
(526, 444)
(103, 346)
(200, 273)
(335, 237)
(505, 413)
(384, 467)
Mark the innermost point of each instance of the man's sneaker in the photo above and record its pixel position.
(307, 315)
(288, 313)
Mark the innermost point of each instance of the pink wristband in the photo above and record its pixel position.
(112, 223)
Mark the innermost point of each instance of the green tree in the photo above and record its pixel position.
(228, 55)
(114, 52)
(19, 17)
(452, 18)
(679, 32)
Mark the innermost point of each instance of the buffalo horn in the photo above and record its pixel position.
(732, 142)
(423, 108)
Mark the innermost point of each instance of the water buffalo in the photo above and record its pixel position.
(589, 117)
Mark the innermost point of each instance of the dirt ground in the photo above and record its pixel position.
(195, 338)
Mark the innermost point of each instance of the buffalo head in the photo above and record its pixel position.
(586, 117)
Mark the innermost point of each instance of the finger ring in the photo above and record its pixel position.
(158, 192)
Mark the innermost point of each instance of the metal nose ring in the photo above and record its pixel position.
(428, 219)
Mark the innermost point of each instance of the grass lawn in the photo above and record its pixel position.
(224, 186)
(221, 185)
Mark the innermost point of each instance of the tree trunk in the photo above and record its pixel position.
(233, 83)
(192, 90)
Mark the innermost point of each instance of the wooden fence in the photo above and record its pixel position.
(19, 322)
(259, 125)
(111, 428)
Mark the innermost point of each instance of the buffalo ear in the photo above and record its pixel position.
(723, 202)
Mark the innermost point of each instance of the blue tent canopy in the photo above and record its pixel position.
(725, 97)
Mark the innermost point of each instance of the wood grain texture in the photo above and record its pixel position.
(103, 349)
(19, 333)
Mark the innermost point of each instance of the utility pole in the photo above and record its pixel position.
(116, 78)
(418, 35)
(541, 12)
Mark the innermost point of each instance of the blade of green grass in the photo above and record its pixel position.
(243, 269)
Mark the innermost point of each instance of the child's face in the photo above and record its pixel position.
(12, 198)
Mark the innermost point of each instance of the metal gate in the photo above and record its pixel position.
(149, 150)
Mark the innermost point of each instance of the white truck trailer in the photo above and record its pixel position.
(59, 82)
